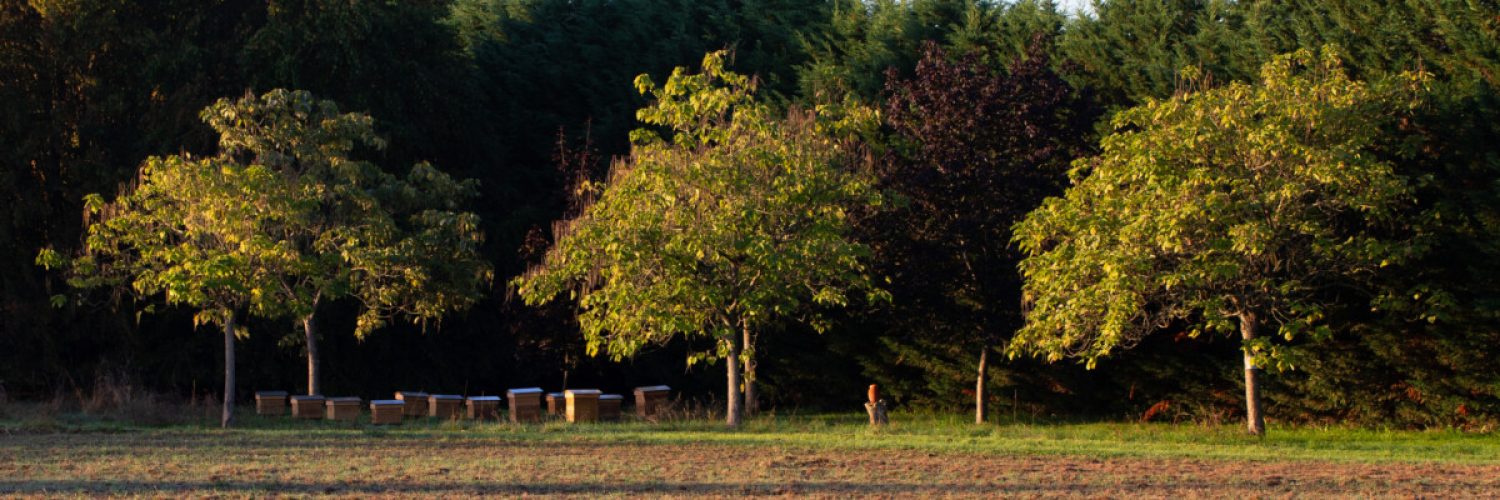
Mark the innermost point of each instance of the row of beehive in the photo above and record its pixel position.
(577, 405)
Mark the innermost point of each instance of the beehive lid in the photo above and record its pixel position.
(653, 388)
(270, 394)
(307, 398)
(554, 394)
(345, 400)
(582, 392)
(525, 390)
(485, 398)
(446, 397)
(387, 402)
(611, 396)
(410, 395)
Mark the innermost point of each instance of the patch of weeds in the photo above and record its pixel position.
(41, 425)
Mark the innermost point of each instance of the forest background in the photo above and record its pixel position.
(526, 95)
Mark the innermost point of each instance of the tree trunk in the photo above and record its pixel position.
(227, 417)
(984, 364)
(751, 404)
(1254, 419)
(310, 327)
(732, 414)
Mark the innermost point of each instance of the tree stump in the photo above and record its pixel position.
(876, 408)
(877, 413)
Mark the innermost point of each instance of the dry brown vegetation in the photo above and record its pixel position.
(364, 464)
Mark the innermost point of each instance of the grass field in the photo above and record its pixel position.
(820, 455)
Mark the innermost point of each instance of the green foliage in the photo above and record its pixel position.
(1130, 51)
(1003, 32)
(403, 247)
(1216, 204)
(284, 218)
(867, 38)
(728, 217)
(194, 231)
(398, 61)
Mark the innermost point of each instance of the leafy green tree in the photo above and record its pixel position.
(195, 232)
(402, 247)
(1425, 357)
(733, 220)
(1238, 207)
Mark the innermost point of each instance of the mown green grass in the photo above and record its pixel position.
(918, 432)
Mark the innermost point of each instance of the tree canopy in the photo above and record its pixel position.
(282, 219)
(1221, 209)
(730, 219)
(401, 247)
(199, 233)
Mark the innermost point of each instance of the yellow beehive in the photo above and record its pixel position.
(308, 407)
(346, 409)
(583, 405)
(415, 402)
(387, 411)
(651, 400)
(525, 404)
(484, 407)
(450, 406)
(270, 403)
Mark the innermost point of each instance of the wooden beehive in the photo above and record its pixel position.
(651, 400)
(525, 404)
(583, 405)
(484, 407)
(270, 402)
(346, 409)
(308, 407)
(415, 402)
(449, 406)
(387, 411)
(609, 406)
(556, 404)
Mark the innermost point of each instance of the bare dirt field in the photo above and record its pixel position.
(197, 463)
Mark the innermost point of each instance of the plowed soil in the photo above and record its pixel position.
(172, 464)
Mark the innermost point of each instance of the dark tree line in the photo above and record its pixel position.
(989, 99)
